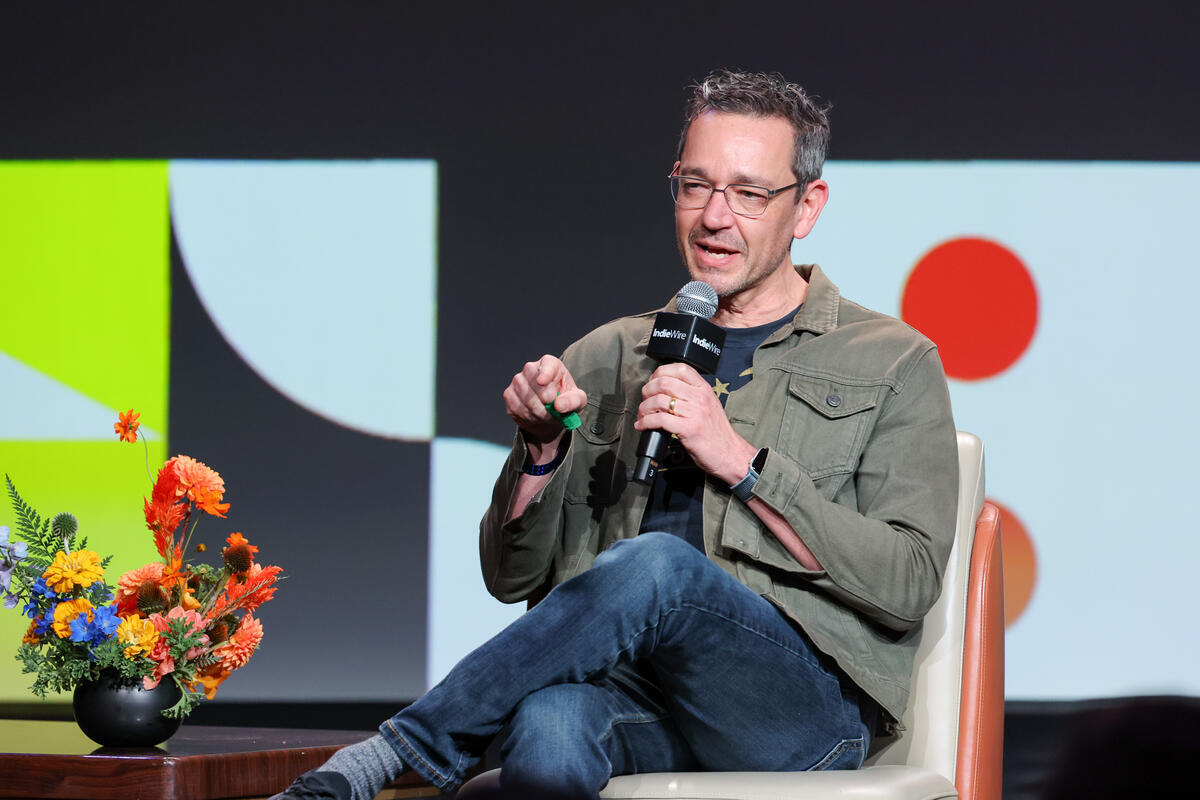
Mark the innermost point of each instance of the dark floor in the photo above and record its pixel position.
(1125, 747)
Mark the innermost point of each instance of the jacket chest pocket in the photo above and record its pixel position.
(597, 474)
(825, 424)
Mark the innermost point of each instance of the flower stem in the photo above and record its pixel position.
(211, 599)
(146, 448)
(187, 540)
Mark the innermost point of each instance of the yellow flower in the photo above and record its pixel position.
(68, 610)
(139, 636)
(81, 568)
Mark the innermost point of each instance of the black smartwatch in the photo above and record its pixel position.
(744, 489)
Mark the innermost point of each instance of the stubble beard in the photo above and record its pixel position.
(753, 275)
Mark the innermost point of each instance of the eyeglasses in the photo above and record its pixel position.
(743, 198)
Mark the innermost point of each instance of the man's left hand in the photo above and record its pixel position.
(697, 418)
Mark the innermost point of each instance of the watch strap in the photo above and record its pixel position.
(744, 489)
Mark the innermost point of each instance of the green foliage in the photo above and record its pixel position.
(187, 701)
(34, 530)
(111, 654)
(58, 665)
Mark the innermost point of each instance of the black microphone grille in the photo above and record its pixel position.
(697, 298)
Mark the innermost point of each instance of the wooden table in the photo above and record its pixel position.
(41, 759)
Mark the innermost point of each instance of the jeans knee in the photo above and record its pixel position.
(660, 557)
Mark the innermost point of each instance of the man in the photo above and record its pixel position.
(757, 607)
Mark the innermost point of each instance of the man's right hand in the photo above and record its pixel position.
(539, 382)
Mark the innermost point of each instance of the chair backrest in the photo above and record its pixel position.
(954, 722)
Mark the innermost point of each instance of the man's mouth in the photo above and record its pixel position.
(716, 251)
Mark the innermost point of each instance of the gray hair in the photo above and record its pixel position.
(763, 94)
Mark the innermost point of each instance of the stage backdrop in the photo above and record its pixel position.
(312, 244)
(265, 318)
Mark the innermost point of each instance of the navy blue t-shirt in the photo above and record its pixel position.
(676, 496)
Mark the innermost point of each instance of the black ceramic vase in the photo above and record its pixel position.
(118, 712)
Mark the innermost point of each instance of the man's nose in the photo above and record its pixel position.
(717, 213)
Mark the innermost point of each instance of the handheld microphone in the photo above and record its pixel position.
(685, 337)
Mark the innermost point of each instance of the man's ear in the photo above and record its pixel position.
(809, 207)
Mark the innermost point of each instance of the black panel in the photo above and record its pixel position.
(344, 513)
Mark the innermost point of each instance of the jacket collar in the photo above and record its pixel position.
(820, 310)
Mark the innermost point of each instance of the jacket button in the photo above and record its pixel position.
(741, 542)
(833, 400)
(597, 427)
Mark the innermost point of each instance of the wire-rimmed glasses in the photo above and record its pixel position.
(743, 198)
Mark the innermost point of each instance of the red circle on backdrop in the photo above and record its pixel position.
(1020, 564)
(976, 300)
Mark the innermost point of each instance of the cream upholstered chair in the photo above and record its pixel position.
(954, 726)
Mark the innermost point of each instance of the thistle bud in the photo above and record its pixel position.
(150, 598)
(238, 558)
(64, 525)
(218, 633)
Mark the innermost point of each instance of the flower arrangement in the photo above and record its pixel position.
(170, 619)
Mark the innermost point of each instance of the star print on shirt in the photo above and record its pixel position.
(722, 389)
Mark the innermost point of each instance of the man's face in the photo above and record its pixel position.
(730, 252)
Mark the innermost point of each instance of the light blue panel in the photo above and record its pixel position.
(62, 413)
(462, 615)
(323, 277)
(1087, 436)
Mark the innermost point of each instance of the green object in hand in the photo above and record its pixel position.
(570, 420)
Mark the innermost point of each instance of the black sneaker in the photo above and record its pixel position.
(317, 786)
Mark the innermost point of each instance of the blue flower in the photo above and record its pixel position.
(40, 587)
(17, 549)
(100, 627)
(81, 629)
(11, 600)
(42, 624)
(106, 621)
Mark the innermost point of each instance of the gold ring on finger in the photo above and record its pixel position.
(671, 406)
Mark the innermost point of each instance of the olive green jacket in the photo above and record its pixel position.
(863, 463)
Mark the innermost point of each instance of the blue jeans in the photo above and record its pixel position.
(655, 659)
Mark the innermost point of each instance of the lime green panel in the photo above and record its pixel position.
(85, 277)
(85, 299)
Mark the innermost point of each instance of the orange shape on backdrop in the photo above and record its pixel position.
(1020, 564)
(977, 301)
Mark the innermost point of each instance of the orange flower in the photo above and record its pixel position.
(31, 636)
(237, 651)
(209, 681)
(166, 485)
(162, 518)
(126, 427)
(201, 484)
(255, 588)
(131, 582)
